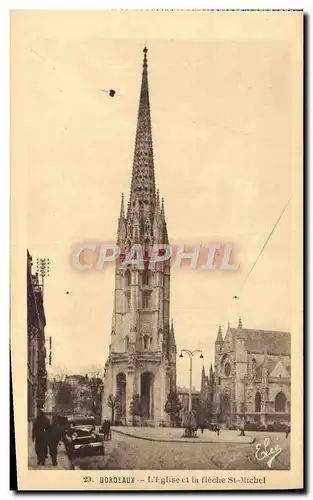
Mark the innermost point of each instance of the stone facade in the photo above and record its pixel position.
(36, 356)
(252, 376)
(142, 353)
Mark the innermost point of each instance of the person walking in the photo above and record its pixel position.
(53, 436)
(217, 430)
(39, 436)
(242, 427)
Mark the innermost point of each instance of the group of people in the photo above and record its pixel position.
(46, 436)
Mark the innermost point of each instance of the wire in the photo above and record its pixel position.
(266, 242)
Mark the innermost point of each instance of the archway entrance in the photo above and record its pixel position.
(121, 394)
(225, 408)
(257, 406)
(280, 402)
(146, 391)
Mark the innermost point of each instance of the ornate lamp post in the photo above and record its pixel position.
(191, 355)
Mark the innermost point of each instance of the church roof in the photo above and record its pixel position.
(259, 341)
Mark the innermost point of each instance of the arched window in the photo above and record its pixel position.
(127, 300)
(146, 300)
(227, 369)
(257, 402)
(126, 343)
(145, 342)
(280, 402)
(128, 277)
(254, 367)
(146, 278)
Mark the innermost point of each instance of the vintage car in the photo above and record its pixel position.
(81, 438)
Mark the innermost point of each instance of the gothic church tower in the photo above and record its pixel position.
(142, 353)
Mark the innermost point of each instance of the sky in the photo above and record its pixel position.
(223, 128)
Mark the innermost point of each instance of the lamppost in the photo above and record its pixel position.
(191, 355)
(43, 270)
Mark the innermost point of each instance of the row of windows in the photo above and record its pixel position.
(146, 342)
(146, 300)
(145, 278)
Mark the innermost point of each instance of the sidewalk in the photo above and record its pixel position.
(63, 461)
(169, 434)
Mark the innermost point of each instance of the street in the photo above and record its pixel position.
(130, 453)
(125, 452)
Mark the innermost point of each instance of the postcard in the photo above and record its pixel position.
(156, 277)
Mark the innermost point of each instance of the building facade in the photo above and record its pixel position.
(252, 377)
(142, 353)
(36, 350)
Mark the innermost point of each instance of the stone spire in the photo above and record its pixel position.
(240, 323)
(219, 337)
(121, 230)
(172, 336)
(143, 179)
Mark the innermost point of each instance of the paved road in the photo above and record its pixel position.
(130, 453)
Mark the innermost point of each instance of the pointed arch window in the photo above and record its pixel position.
(280, 402)
(146, 300)
(257, 402)
(254, 367)
(227, 369)
(146, 278)
(128, 277)
(127, 298)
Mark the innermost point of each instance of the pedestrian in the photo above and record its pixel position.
(53, 440)
(242, 428)
(217, 430)
(39, 436)
(202, 428)
(287, 431)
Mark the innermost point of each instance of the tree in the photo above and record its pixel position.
(113, 403)
(136, 409)
(173, 407)
(95, 384)
(64, 397)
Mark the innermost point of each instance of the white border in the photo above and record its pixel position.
(5, 7)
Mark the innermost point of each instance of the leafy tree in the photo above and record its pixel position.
(136, 409)
(173, 406)
(113, 403)
(64, 397)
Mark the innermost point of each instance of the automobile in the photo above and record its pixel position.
(211, 426)
(83, 440)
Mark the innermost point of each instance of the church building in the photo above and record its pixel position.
(141, 365)
(251, 378)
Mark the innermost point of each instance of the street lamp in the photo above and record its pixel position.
(191, 355)
(43, 270)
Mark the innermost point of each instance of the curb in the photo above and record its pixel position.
(194, 441)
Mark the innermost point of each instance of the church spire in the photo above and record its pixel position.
(219, 337)
(143, 179)
(122, 210)
(121, 230)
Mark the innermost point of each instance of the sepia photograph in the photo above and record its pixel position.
(156, 282)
